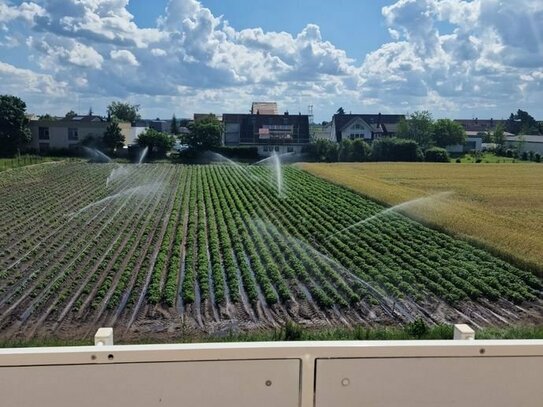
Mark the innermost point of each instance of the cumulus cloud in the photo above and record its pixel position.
(124, 56)
(59, 53)
(25, 11)
(491, 55)
(13, 79)
(492, 44)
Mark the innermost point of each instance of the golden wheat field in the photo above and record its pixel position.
(497, 205)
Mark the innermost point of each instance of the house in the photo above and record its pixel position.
(268, 132)
(70, 132)
(480, 126)
(474, 142)
(322, 132)
(365, 126)
(476, 131)
(525, 143)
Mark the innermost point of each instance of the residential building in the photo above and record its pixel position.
(476, 130)
(268, 132)
(480, 126)
(474, 142)
(525, 143)
(364, 126)
(322, 132)
(69, 133)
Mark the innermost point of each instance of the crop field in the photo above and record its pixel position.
(161, 251)
(497, 205)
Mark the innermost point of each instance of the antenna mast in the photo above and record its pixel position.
(310, 114)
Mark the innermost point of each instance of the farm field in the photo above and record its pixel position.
(163, 251)
(498, 205)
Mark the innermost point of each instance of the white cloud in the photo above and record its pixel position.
(490, 56)
(14, 79)
(25, 11)
(124, 56)
(157, 52)
(61, 51)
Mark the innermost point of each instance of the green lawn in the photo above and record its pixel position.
(486, 158)
(24, 160)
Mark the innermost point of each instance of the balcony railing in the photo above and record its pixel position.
(324, 374)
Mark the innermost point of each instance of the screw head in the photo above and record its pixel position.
(268, 383)
(345, 382)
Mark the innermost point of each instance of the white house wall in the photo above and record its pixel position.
(58, 133)
(352, 132)
(526, 146)
(134, 133)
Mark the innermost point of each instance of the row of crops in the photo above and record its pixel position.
(216, 241)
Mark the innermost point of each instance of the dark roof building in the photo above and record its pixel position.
(268, 132)
(474, 126)
(365, 126)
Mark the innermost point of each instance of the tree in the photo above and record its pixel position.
(498, 136)
(46, 117)
(158, 143)
(436, 155)
(323, 150)
(175, 128)
(522, 123)
(204, 134)
(113, 137)
(184, 122)
(419, 127)
(124, 112)
(340, 111)
(395, 149)
(345, 152)
(361, 150)
(14, 131)
(70, 115)
(448, 133)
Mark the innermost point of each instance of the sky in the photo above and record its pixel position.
(455, 58)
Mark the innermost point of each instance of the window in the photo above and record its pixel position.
(276, 148)
(43, 133)
(290, 149)
(72, 134)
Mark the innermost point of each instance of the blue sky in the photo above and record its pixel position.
(456, 58)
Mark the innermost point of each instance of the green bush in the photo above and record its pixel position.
(436, 155)
(417, 328)
(361, 150)
(396, 149)
(537, 157)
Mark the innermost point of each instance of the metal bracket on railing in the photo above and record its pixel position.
(103, 337)
(463, 332)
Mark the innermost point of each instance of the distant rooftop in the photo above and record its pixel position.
(269, 108)
(479, 125)
(87, 118)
